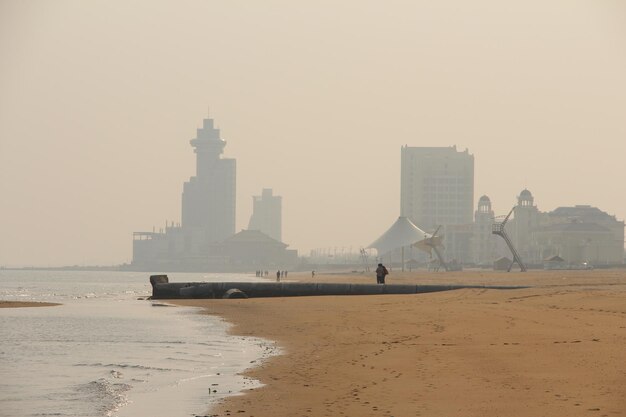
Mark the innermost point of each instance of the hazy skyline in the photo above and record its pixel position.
(99, 99)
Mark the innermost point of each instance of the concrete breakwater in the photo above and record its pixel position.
(163, 289)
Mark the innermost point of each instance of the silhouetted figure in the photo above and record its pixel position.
(381, 273)
(278, 276)
(285, 274)
(312, 274)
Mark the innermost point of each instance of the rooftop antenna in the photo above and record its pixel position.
(498, 229)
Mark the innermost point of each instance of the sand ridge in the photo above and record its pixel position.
(20, 304)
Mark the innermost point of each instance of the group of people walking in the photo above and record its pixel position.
(381, 273)
(279, 274)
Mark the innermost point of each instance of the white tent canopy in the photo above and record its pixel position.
(402, 233)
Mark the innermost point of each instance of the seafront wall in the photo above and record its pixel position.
(163, 289)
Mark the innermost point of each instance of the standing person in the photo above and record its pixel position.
(381, 273)
(312, 274)
(278, 276)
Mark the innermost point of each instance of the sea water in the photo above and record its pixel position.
(107, 351)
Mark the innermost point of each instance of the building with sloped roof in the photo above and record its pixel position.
(253, 249)
(554, 262)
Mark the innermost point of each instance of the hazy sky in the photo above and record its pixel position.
(99, 99)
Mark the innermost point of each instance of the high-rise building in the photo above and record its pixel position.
(437, 189)
(267, 214)
(208, 201)
(208, 212)
(437, 186)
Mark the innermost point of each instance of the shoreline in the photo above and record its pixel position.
(22, 304)
(553, 349)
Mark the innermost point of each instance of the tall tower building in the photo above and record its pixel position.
(208, 201)
(484, 242)
(267, 214)
(526, 218)
(437, 186)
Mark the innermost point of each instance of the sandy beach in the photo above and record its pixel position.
(555, 349)
(19, 304)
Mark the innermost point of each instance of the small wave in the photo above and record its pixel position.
(183, 360)
(50, 414)
(126, 365)
(107, 397)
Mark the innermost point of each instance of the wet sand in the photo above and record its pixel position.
(19, 304)
(554, 349)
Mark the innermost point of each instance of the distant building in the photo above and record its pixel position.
(205, 240)
(526, 220)
(208, 202)
(554, 262)
(579, 235)
(502, 264)
(267, 214)
(484, 242)
(252, 249)
(582, 235)
(437, 189)
(208, 211)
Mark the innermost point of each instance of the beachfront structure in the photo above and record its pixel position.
(253, 249)
(579, 235)
(437, 189)
(267, 214)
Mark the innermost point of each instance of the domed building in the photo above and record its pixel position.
(579, 235)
